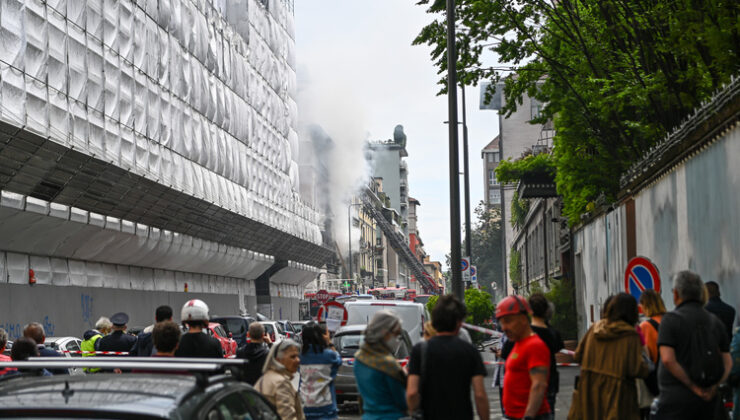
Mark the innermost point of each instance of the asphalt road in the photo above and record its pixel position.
(567, 379)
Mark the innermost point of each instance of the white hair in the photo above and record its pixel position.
(277, 352)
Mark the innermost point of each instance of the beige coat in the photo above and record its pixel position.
(276, 386)
(611, 358)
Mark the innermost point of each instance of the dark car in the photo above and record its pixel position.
(132, 396)
(347, 341)
(237, 325)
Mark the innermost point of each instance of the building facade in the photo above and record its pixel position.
(150, 155)
(491, 156)
(528, 240)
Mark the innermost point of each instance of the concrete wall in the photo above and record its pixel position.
(72, 310)
(688, 219)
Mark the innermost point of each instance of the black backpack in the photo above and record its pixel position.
(652, 379)
(707, 367)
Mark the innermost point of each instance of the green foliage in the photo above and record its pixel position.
(616, 75)
(515, 272)
(486, 239)
(519, 210)
(564, 319)
(533, 165)
(431, 302)
(480, 312)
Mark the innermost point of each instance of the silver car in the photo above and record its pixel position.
(68, 347)
(347, 341)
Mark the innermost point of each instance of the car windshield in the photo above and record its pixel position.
(348, 343)
(235, 326)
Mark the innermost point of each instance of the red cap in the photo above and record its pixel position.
(511, 305)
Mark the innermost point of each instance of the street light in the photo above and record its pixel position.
(349, 234)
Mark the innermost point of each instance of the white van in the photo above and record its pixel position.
(412, 314)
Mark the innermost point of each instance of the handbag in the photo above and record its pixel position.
(644, 396)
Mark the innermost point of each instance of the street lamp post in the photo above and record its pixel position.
(455, 257)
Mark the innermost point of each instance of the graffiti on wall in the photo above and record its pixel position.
(15, 330)
(86, 302)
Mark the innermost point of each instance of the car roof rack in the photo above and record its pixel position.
(199, 367)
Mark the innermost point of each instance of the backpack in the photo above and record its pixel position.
(706, 368)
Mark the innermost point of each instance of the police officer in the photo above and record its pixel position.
(118, 340)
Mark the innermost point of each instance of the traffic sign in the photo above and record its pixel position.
(474, 274)
(322, 296)
(641, 274)
(334, 314)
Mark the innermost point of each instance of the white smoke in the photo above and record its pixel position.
(332, 103)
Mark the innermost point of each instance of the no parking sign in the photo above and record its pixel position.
(641, 274)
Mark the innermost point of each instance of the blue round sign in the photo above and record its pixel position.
(464, 264)
(641, 274)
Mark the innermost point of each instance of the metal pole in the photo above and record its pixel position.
(455, 257)
(468, 233)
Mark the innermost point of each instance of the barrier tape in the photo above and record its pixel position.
(482, 330)
(350, 361)
(117, 353)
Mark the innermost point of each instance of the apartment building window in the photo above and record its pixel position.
(536, 108)
(494, 196)
(493, 157)
(492, 177)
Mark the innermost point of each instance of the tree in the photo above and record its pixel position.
(480, 310)
(486, 243)
(616, 75)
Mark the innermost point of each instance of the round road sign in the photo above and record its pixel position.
(334, 314)
(641, 274)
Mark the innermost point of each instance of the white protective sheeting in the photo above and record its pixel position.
(54, 231)
(194, 94)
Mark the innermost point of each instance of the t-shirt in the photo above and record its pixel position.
(675, 331)
(199, 345)
(651, 336)
(451, 365)
(527, 354)
(554, 343)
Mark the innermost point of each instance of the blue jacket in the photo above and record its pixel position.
(383, 398)
(318, 371)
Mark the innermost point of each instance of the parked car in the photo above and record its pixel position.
(227, 343)
(8, 347)
(135, 395)
(68, 346)
(237, 325)
(274, 330)
(347, 341)
(298, 325)
(412, 314)
(290, 331)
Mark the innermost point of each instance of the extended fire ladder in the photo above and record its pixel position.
(396, 240)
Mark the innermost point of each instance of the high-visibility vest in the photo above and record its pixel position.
(89, 346)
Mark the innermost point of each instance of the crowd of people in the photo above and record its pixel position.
(669, 366)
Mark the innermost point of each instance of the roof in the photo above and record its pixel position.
(493, 145)
(147, 394)
(414, 201)
(351, 329)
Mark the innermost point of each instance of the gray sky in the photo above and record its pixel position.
(356, 58)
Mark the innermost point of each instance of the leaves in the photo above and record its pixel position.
(615, 75)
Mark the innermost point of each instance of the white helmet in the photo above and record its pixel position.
(194, 310)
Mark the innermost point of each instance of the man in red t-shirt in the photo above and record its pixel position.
(527, 366)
